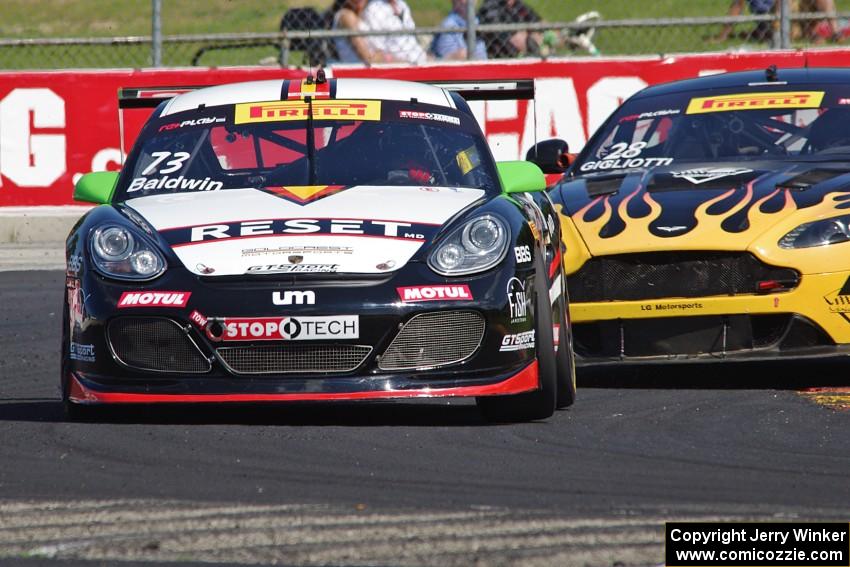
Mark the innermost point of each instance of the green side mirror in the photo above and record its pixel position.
(520, 177)
(96, 187)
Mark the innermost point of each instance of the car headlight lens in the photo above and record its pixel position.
(118, 253)
(475, 246)
(818, 233)
(113, 244)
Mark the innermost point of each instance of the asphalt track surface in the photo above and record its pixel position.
(405, 483)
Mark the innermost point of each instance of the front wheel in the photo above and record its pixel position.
(566, 368)
(540, 403)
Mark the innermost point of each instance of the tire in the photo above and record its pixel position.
(539, 404)
(565, 361)
(71, 411)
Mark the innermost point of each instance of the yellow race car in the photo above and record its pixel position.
(709, 219)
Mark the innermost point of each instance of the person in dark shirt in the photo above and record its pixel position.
(509, 44)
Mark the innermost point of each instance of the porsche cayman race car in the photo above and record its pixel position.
(316, 240)
(709, 219)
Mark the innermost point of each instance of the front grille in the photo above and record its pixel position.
(155, 344)
(672, 337)
(284, 359)
(655, 275)
(434, 339)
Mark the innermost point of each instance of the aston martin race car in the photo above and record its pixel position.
(709, 219)
(315, 240)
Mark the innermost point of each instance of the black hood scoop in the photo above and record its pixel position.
(810, 178)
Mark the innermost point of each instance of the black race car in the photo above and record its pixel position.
(316, 240)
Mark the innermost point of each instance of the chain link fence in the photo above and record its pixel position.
(139, 33)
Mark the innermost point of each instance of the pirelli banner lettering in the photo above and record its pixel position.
(288, 110)
(755, 101)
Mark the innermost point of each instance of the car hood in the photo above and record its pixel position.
(363, 229)
(712, 206)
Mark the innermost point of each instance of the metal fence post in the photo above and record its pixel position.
(785, 24)
(470, 29)
(156, 33)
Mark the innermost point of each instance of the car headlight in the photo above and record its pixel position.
(475, 246)
(818, 233)
(118, 253)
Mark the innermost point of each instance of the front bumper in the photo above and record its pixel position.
(96, 370)
(86, 389)
(812, 320)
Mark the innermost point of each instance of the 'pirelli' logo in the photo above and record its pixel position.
(755, 101)
(288, 110)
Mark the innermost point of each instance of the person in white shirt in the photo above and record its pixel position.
(355, 49)
(393, 15)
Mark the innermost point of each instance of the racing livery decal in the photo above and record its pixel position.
(154, 299)
(305, 193)
(187, 236)
(745, 207)
(519, 341)
(296, 110)
(284, 328)
(702, 175)
(435, 293)
(755, 101)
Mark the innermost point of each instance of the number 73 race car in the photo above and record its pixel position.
(316, 240)
(709, 219)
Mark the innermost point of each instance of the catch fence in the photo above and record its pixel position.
(301, 34)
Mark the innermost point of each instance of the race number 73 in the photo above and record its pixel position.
(170, 166)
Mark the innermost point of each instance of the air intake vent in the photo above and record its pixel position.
(656, 275)
(155, 344)
(286, 359)
(434, 339)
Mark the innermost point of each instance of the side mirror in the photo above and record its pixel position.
(552, 156)
(96, 187)
(520, 177)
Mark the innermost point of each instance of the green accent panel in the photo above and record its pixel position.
(520, 177)
(96, 187)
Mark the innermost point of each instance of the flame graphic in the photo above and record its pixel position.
(707, 233)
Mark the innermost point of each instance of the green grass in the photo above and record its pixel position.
(110, 18)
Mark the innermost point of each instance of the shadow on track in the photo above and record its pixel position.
(426, 413)
(761, 375)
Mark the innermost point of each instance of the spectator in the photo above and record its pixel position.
(509, 44)
(453, 45)
(393, 15)
(817, 31)
(354, 49)
(763, 30)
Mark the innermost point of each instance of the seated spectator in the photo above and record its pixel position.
(393, 15)
(355, 49)
(816, 31)
(509, 44)
(453, 45)
(763, 30)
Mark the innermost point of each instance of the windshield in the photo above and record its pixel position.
(284, 144)
(806, 122)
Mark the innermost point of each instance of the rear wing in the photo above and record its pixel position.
(151, 97)
(523, 89)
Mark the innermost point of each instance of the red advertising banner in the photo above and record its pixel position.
(54, 126)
